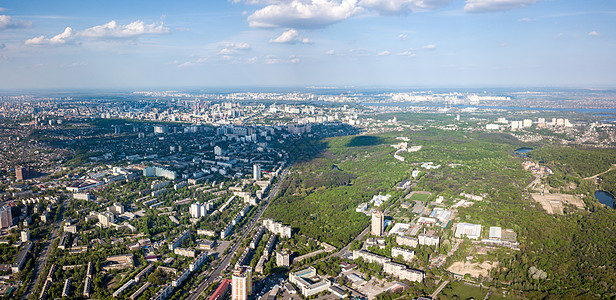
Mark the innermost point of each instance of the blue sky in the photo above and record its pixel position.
(359, 43)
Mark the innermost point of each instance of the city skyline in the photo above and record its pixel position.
(396, 43)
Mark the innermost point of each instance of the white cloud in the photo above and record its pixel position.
(109, 30)
(407, 53)
(330, 52)
(503, 45)
(303, 13)
(274, 60)
(429, 47)
(2, 9)
(237, 46)
(65, 37)
(113, 30)
(290, 36)
(403, 37)
(384, 53)
(482, 6)
(524, 20)
(401, 7)
(593, 33)
(7, 22)
(233, 48)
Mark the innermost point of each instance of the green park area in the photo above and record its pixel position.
(320, 196)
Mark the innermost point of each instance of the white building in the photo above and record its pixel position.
(241, 283)
(428, 239)
(278, 228)
(308, 282)
(471, 231)
(198, 210)
(256, 171)
(406, 254)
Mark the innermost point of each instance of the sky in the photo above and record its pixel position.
(302, 43)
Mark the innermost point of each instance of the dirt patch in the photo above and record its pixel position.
(553, 203)
(473, 269)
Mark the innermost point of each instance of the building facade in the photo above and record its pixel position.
(377, 223)
(241, 283)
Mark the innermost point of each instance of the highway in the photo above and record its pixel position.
(224, 263)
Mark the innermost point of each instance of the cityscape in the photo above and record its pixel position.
(307, 149)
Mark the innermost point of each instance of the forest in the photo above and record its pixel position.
(574, 253)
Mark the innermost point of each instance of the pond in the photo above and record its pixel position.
(523, 151)
(605, 198)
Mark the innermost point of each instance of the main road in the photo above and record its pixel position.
(224, 263)
(41, 261)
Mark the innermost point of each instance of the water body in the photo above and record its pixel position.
(523, 151)
(605, 198)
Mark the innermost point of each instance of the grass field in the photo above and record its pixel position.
(458, 290)
(419, 196)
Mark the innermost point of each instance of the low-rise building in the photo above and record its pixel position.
(308, 282)
(406, 254)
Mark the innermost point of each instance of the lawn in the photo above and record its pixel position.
(419, 197)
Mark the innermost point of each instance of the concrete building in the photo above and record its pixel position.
(198, 210)
(105, 218)
(256, 172)
(159, 172)
(22, 257)
(407, 241)
(25, 235)
(67, 287)
(277, 228)
(6, 217)
(283, 259)
(394, 269)
(406, 254)
(378, 220)
(308, 282)
(241, 283)
(428, 239)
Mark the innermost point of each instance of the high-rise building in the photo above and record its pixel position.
(25, 235)
(198, 210)
(6, 217)
(256, 171)
(105, 218)
(283, 258)
(25, 173)
(377, 223)
(241, 283)
(217, 151)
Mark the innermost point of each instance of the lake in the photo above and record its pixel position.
(605, 198)
(523, 151)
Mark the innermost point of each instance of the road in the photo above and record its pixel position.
(224, 263)
(41, 261)
(345, 251)
(440, 288)
(613, 167)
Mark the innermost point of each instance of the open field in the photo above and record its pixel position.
(473, 269)
(553, 203)
(419, 196)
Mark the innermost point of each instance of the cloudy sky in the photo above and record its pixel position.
(388, 43)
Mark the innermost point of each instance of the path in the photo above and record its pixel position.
(440, 288)
(613, 167)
